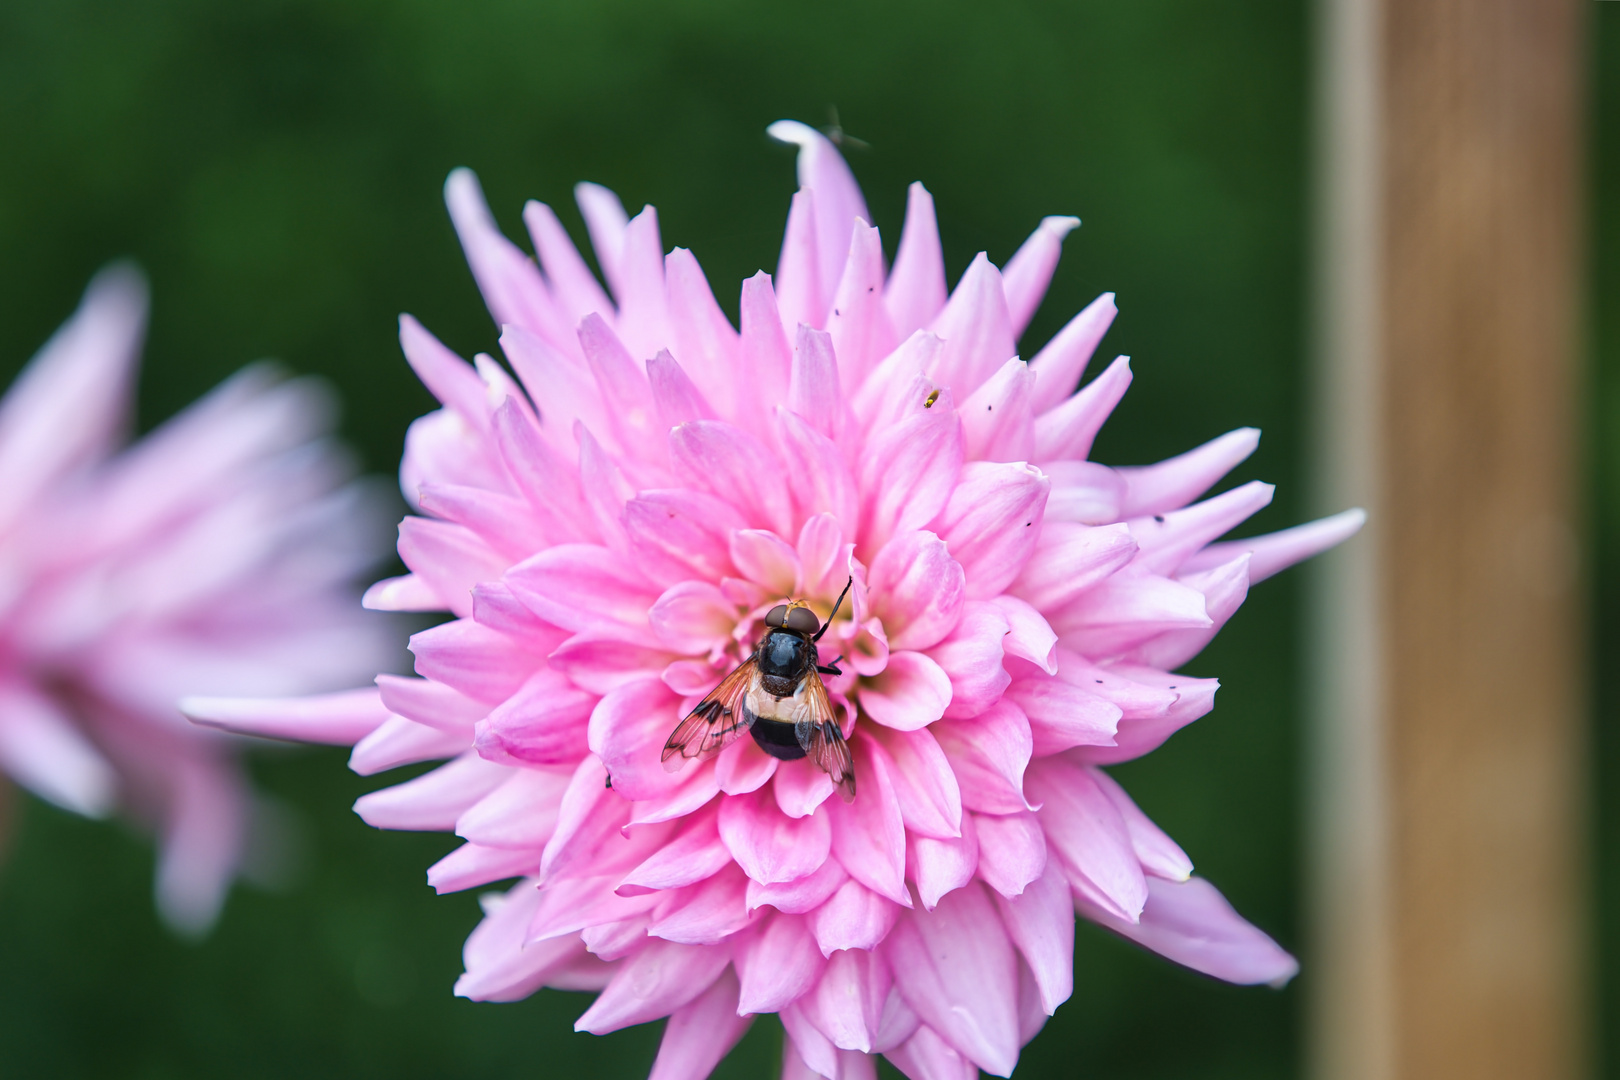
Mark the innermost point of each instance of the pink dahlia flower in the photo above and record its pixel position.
(611, 528)
(214, 555)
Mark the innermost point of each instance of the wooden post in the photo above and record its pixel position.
(1446, 780)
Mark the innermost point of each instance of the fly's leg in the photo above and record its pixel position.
(831, 667)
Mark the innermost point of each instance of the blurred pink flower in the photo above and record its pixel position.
(609, 529)
(212, 556)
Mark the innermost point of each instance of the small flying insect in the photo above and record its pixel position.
(778, 697)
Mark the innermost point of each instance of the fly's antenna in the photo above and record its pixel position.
(836, 606)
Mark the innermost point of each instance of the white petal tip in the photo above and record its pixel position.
(1060, 225)
(793, 133)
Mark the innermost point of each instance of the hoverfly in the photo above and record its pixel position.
(778, 697)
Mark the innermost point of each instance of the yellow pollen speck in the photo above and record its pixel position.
(933, 396)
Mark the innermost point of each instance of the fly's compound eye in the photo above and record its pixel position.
(803, 620)
(777, 616)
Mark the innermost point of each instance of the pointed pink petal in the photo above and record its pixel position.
(770, 846)
(838, 199)
(434, 800)
(799, 291)
(653, 983)
(693, 618)
(778, 965)
(848, 1000)
(868, 835)
(957, 969)
(997, 424)
(743, 767)
(1029, 635)
(909, 472)
(821, 554)
(340, 719)
(643, 319)
(701, 1033)
(1086, 833)
(992, 523)
(582, 587)
(988, 755)
(971, 658)
(1084, 491)
(1069, 559)
(1159, 855)
(499, 967)
(822, 482)
(1275, 552)
(606, 221)
(674, 395)
(813, 386)
(930, 801)
(574, 288)
(404, 593)
(403, 742)
(977, 330)
(628, 729)
(43, 750)
(695, 854)
(1125, 610)
(704, 341)
(564, 392)
(589, 813)
(854, 918)
(509, 281)
(897, 387)
(1166, 540)
(917, 589)
(447, 376)
(1067, 430)
(925, 1056)
(805, 894)
(1062, 715)
(1191, 923)
(1041, 924)
(940, 866)
(503, 523)
(859, 324)
(706, 913)
(472, 865)
(806, 1052)
(800, 788)
(912, 692)
(1171, 484)
(1029, 271)
(915, 293)
(473, 659)
(450, 558)
(1060, 364)
(679, 534)
(1195, 698)
(1012, 851)
(736, 466)
(766, 359)
(521, 813)
(763, 557)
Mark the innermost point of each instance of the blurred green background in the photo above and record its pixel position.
(276, 165)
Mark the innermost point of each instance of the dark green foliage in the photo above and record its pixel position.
(276, 165)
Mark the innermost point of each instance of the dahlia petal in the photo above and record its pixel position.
(1059, 365)
(917, 589)
(1029, 271)
(499, 968)
(472, 865)
(802, 895)
(616, 940)
(854, 917)
(434, 800)
(800, 788)
(1087, 834)
(1127, 610)
(675, 396)
(693, 617)
(42, 750)
(915, 293)
(1195, 698)
(450, 558)
(643, 319)
(868, 835)
(1159, 855)
(770, 846)
(861, 333)
(912, 692)
(574, 288)
(822, 557)
(1070, 559)
(1175, 482)
(971, 658)
(588, 813)
(653, 983)
(848, 1000)
(694, 855)
(743, 767)
(701, 1033)
(599, 663)
(940, 866)
(694, 788)
(510, 283)
(447, 376)
(898, 387)
(926, 1056)
(544, 723)
(839, 203)
(813, 383)
(581, 587)
(799, 292)
(778, 964)
(1274, 552)
(605, 221)
(404, 593)
(989, 754)
(627, 731)
(632, 418)
(1068, 430)
(564, 391)
(679, 533)
(544, 473)
(976, 328)
(956, 967)
(1029, 636)
(930, 801)
(1166, 540)
(736, 466)
(909, 472)
(340, 719)
(706, 913)
(1040, 923)
(1191, 923)
(1032, 1015)
(521, 813)
(806, 1052)
(441, 447)
(503, 523)
(765, 558)
(1136, 700)
(1224, 589)
(399, 741)
(703, 335)
(1084, 492)
(473, 659)
(201, 844)
(766, 359)
(1012, 851)
(822, 482)
(997, 424)
(1062, 715)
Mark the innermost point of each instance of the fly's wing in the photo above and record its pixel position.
(823, 742)
(715, 722)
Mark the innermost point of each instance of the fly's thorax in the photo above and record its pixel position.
(785, 657)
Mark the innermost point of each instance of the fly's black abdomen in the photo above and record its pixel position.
(777, 739)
